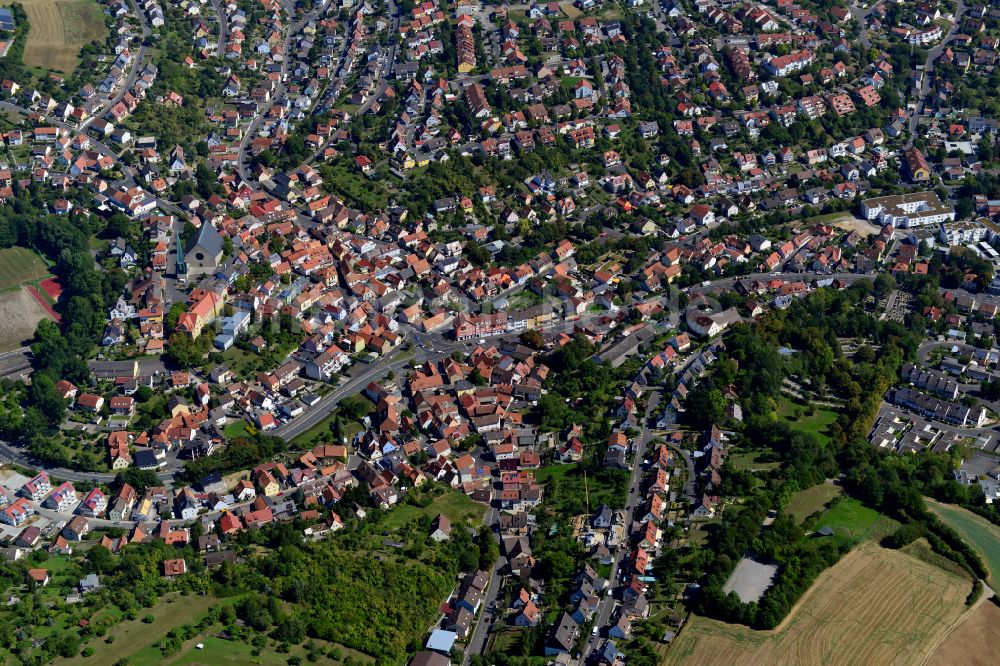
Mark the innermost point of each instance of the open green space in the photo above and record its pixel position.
(219, 651)
(135, 639)
(921, 549)
(752, 460)
(236, 429)
(797, 417)
(807, 502)
(352, 185)
(458, 507)
(550, 472)
(321, 428)
(349, 412)
(978, 532)
(240, 361)
(20, 265)
(850, 519)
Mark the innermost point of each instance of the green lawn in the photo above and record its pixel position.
(134, 639)
(551, 472)
(219, 651)
(807, 502)
(352, 185)
(58, 564)
(303, 439)
(458, 507)
(236, 429)
(19, 265)
(239, 361)
(816, 423)
(751, 460)
(354, 405)
(978, 532)
(851, 520)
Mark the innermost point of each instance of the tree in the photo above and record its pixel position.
(140, 479)
(174, 315)
(476, 377)
(884, 284)
(706, 405)
(532, 338)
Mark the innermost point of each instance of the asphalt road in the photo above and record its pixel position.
(602, 619)
(480, 633)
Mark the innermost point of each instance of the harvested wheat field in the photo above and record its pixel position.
(58, 28)
(875, 606)
(974, 642)
(19, 317)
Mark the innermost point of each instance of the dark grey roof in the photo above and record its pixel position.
(208, 238)
(564, 633)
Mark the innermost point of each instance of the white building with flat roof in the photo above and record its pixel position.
(918, 209)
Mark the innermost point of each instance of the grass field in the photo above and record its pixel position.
(551, 472)
(570, 81)
(58, 28)
(973, 641)
(219, 652)
(852, 520)
(807, 502)
(751, 460)
(236, 429)
(134, 637)
(875, 606)
(19, 317)
(19, 266)
(816, 423)
(322, 431)
(458, 507)
(978, 532)
(921, 549)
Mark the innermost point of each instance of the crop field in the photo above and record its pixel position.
(20, 313)
(58, 28)
(978, 532)
(875, 606)
(973, 642)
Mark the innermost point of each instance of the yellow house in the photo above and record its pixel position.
(205, 308)
(268, 484)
